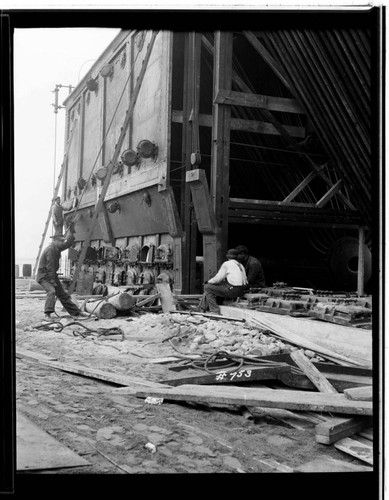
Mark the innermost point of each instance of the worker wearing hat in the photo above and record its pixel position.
(253, 268)
(57, 216)
(47, 276)
(229, 282)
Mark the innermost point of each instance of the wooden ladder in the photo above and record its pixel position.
(56, 189)
(112, 163)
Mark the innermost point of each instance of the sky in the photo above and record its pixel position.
(61, 56)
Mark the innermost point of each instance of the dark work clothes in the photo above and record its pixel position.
(56, 291)
(57, 214)
(254, 272)
(49, 264)
(224, 289)
(47, 277)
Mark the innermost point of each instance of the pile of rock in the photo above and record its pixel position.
(198, 334)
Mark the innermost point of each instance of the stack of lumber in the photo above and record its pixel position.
(343, 418)
(344, 345)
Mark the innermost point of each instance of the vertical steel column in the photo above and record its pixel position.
(220, 164)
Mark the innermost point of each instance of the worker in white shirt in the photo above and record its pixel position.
(229, 282)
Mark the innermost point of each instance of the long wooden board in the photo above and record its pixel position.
(328, 464)
(310, 370)
(110, 377)
(288, 399)
(356, 449)
(242, 375)
(343, 344)
(339, 428)
(37, 450)
(360, 393)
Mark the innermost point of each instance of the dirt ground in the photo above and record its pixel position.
(110, 430)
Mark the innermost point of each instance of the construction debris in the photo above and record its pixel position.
(228, 358)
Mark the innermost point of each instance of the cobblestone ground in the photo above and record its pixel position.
(113, 431)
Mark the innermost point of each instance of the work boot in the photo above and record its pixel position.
(47, 317)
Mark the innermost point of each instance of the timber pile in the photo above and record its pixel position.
(335, 386)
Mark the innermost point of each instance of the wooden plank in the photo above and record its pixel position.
(243, 125)
(334, 429)
(360, 393)
(266, 57)
(329, 194)
(329, 464)
(273, 205)
(344, 344)
(37, 450)
(242, 396)
(367, 434)
(274, 465)
(167, 297)
(338, 428)
(260, 216)
(202, 201)
(314, 375)
(110, 377)
(258, 101)
(356, 449)
(220, 152)
(300, 187)
(229, 376)
(105, 226)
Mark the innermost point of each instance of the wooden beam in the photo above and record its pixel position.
(231, 376)
(105, 226)
(266, 57)
(253, 126)
(248, 99)
(300, 187)
(284, 131)
(335, 429)
(205, 217)
(220, 155)
(303, 219)
(191, 145)
(356, 448)
(360, 393)
(112, 163)
(110, 377)
(202, 201)
(329, 194)
(339, 428)
(268, 398)
(314, 375)
(168, 301)
(171, 213)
